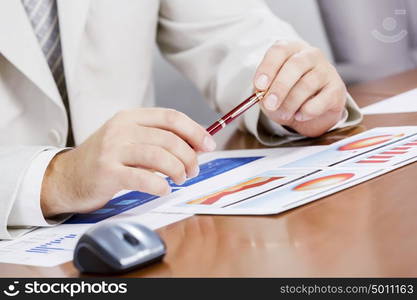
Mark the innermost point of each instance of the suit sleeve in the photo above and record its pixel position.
(20, 189)
(218, 45)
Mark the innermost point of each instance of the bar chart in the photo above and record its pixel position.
(57, 244)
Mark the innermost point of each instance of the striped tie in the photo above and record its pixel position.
(43, 15)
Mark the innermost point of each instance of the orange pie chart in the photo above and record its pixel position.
(368, 142)
(323, 182)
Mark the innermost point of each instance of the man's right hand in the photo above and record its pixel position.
(124, 154)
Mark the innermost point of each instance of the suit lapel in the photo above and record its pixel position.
(72, 19)
(19, 45)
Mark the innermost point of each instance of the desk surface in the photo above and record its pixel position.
(366, 230)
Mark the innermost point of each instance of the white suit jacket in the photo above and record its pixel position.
(107, 52)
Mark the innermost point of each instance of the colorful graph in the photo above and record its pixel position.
(56, 245)
(246, 185)
(391, 155)
(353, 147)
(309, 186)
(369, 142)
(216, 167)
(323, 182)
(113, 207)
(134, 199)
(341, 165)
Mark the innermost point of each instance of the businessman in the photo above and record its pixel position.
(76, 117)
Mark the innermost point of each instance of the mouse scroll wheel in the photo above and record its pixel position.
(131, 239)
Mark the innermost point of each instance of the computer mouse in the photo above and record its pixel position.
(117, 247)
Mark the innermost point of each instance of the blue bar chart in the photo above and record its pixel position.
(133, 199)
(58, 244)
(46, 247)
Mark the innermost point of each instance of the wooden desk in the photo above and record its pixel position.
(367, 230)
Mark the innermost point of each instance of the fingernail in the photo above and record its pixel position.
(262, 82)
(209, 144)
(194, 173)
(271, 102)
(182, 180)
(301, 117)
(282, 43)
(285, 116)
(167, 191)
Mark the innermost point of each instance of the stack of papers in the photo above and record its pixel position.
(274, 187)
(249, 182)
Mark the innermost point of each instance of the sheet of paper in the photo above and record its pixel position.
(213, 166)
(403, 103)
(44, 247)
(48, 247)
(355, 146)
(276, 187)
(316, 185)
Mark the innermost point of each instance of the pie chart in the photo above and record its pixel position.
(323, 182)
(247, 185)
(369, 142)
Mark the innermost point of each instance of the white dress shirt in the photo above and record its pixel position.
(26, 210)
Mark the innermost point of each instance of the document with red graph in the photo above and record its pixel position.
(268, 186)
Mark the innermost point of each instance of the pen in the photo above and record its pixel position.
(235, 112)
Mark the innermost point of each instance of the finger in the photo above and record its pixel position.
(137, 179)
(295, 67)
(176, 122)
(330, 98)
(307, 87)
(154, 158)
(173, 144)
(274, 58)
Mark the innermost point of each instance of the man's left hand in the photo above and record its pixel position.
(303, 89)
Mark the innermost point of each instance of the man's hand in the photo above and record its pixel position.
(304, 91)
(124, 154)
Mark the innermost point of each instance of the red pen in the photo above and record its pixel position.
(235, 112)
